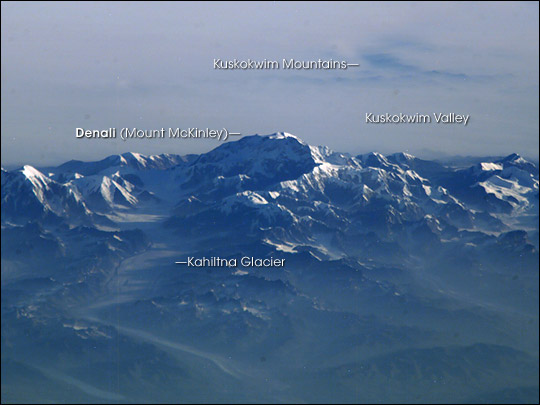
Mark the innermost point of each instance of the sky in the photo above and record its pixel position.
(150, 65)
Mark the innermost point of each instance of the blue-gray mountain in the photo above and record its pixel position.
(406, 280)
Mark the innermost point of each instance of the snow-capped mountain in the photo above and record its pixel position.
(286, 194)
(126, 160)
(29, 195)
(401, 275)
(286, 170)
(317, 190)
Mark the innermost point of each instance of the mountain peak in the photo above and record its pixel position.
(374, 159)
(515, 160)
(31, 171)
(284, 135)
(403, 157)
(511, 158)
(33, 175)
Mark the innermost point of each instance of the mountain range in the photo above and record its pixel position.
(406, 279)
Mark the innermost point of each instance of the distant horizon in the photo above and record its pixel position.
(426, 155)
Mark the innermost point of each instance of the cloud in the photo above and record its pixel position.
(388, 61)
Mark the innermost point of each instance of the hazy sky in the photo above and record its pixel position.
(150, 65)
